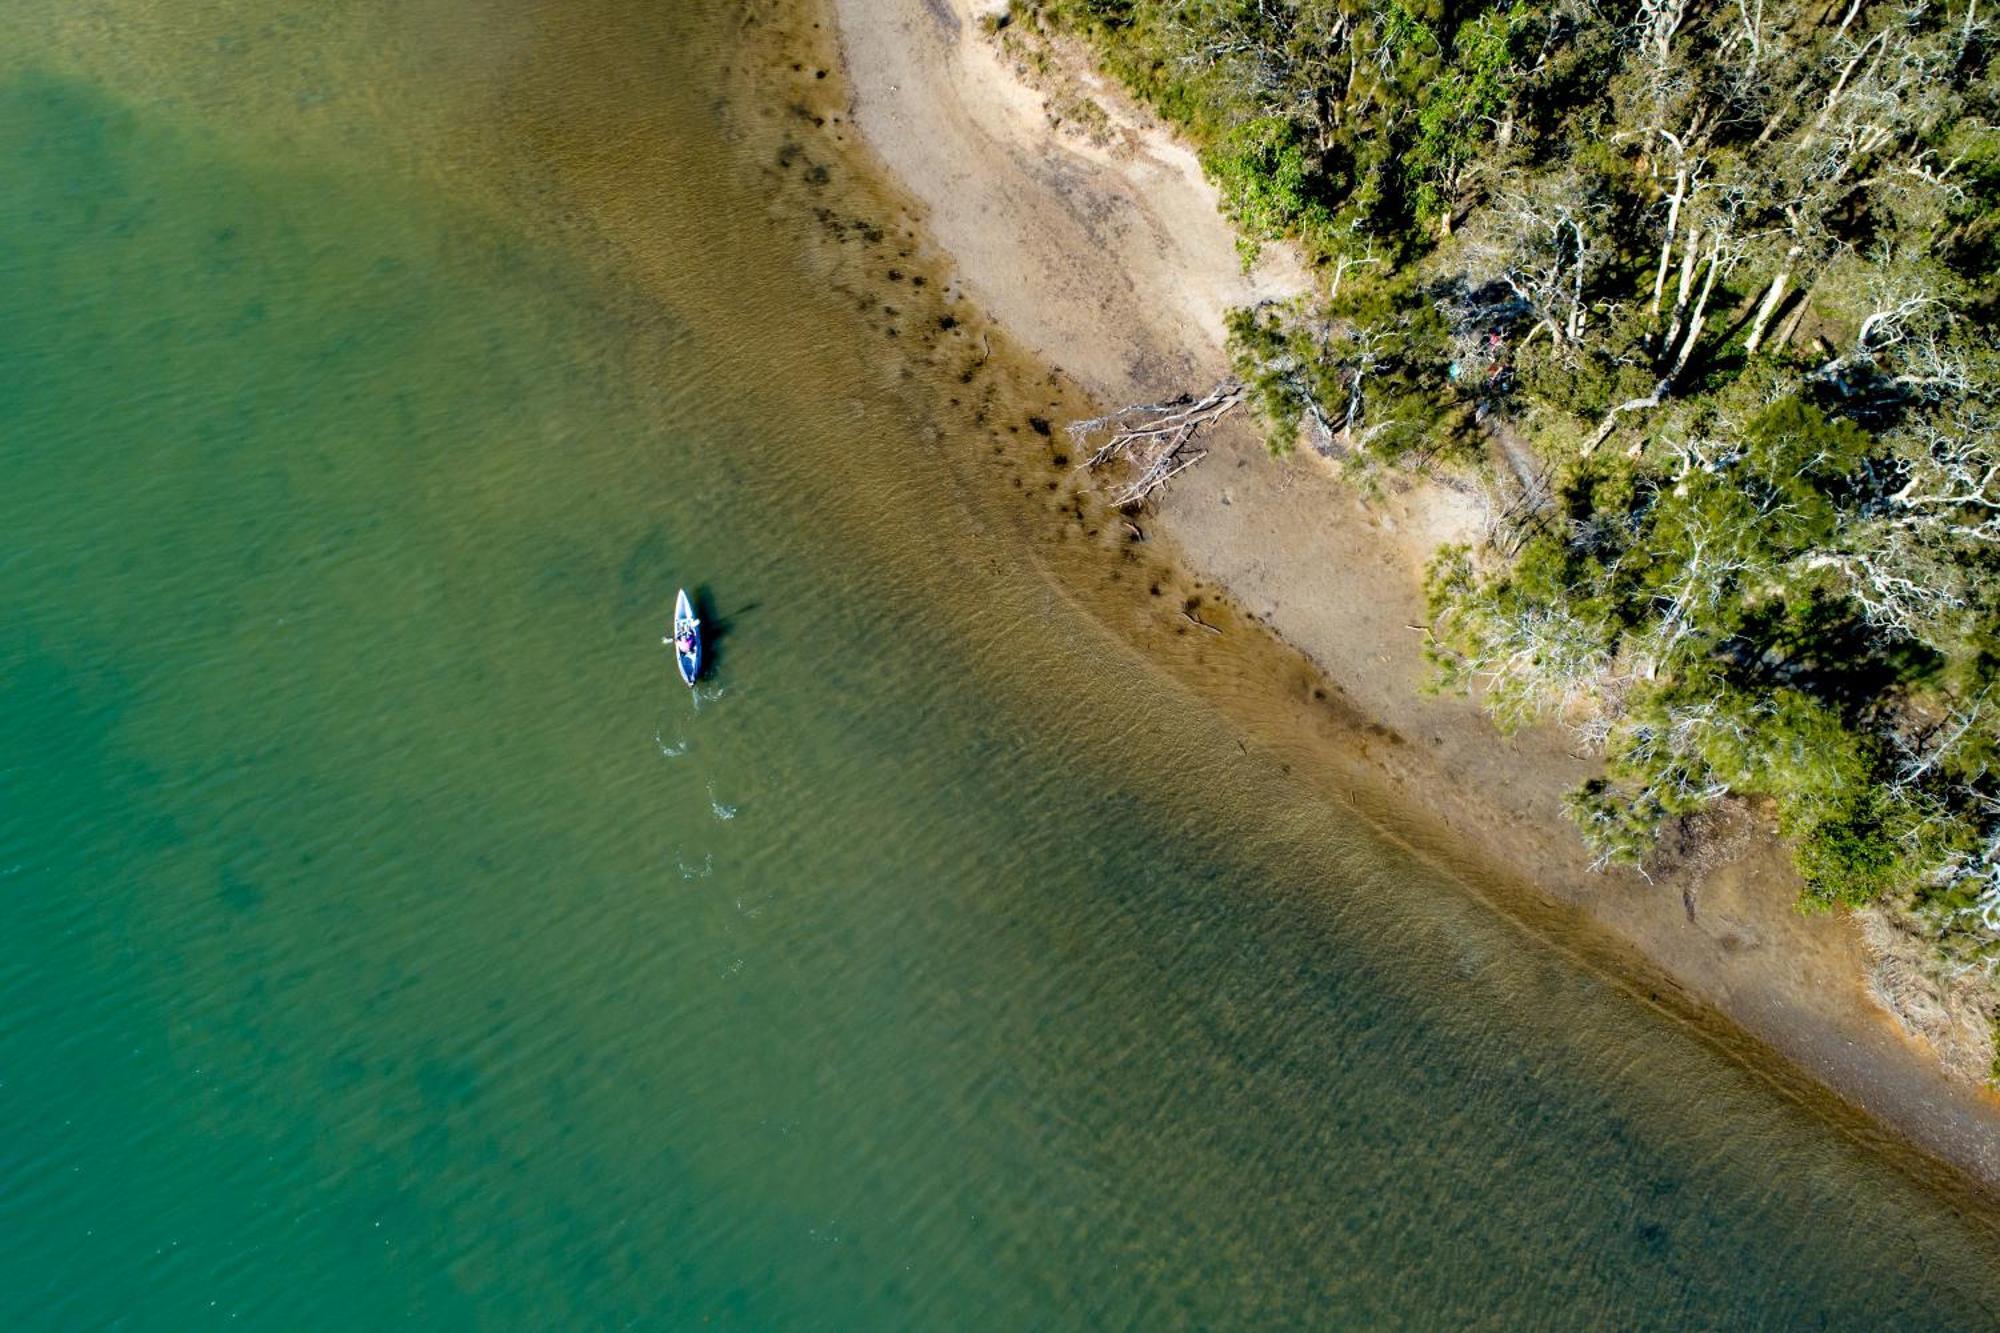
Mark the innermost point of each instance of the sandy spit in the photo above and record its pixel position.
(1088, 234)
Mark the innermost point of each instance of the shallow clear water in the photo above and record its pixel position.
(393, 940)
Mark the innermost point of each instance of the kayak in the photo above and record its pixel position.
(686, 638)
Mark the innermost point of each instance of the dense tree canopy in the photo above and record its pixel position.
(1713, 284)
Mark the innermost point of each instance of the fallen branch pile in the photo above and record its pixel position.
(1154, 437)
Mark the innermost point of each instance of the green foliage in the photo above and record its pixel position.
(1307, 111)
(1739, 670)
(1267, 182)
(1362, 376)
(1851, 858)
(1457, 111)
(1279, 363)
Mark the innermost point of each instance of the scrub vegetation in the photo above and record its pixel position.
(1706, 288)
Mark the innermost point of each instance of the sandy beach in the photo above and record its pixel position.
(1088, 235)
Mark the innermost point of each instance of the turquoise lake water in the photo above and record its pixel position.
(393, 941)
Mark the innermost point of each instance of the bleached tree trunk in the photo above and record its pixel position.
(1344, 263)
(1796, 318)
(1700, 309)
(1667, 243)
(1840, 84)
(1773, 297)
(1691, 255)
(1576, 307)
(1610, 422)
(1661, 19)
(1665, 386)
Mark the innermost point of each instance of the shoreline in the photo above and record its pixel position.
(1095, 246)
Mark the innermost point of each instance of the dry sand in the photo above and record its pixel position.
(1089, 235)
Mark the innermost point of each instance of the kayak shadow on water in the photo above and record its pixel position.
(715, 629)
